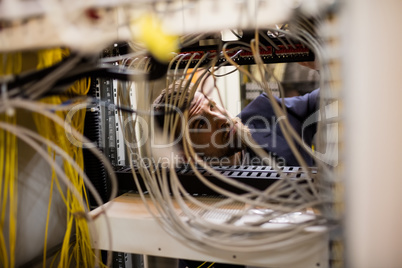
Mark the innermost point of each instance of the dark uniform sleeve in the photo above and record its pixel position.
(302, 106)
(265, 128)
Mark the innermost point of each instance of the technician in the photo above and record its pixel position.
(220, 139)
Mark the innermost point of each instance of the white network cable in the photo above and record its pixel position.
(235, 233)
(34, 140)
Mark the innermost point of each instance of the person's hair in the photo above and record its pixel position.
(176, 97)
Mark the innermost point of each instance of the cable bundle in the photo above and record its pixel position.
(60, 123)
(247, 218)
(8, 193)
(11, 64)
(252, 224)
(55, 133)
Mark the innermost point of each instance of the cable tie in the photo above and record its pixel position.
(81, 215)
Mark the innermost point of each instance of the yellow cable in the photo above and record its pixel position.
(54, 258)
(13, 194)
(3, 252)
(64, 254)
(76, 249)
(202, 264)
(48, 217)
(62, 195)
(10, 63)
(209, 266)
(3, 192)
(8, 194)
(81, 250)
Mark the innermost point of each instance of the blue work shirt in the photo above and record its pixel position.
(264, 126)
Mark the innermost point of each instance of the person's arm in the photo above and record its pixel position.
(303, 106)
(300, 107)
